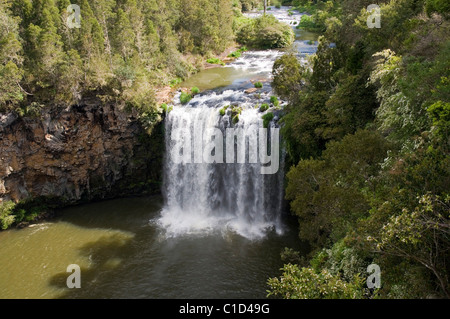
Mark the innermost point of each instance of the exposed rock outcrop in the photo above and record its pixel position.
(82, 153)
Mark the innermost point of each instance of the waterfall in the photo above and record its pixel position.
(202, 197)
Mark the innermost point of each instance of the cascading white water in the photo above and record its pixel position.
(201, 197)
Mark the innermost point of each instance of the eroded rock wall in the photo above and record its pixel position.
(86, 152)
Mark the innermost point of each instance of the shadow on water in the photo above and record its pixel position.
(130, 218)
(126, 214)
(106, 256)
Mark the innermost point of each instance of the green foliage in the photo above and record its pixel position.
(309, 24)
(223, 110)
(7, 217)
(274, 101)
(122, 48)
(421, 235)
(238, 53)
(264, 107)
(195, 90)
(367, 133)
(248, 5)
(11, 59)
(185, 97)
(439, 113)
(267, 118)
(166, 109)
(175, 82)
(305, 283)
(287, 76)
(439, 6)
(215, 61)
(235, 54)
(258, 85)
(265, 32)
(328, 194)
(236, 110)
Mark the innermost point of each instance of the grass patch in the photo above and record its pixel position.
(274, 100)
(238, 53)
(185, 98)
(264, 107)
(215, 61)
(175, 82)
(267, 118)
(166, 108)
(223, 110)
(235, 54)
(195, 90)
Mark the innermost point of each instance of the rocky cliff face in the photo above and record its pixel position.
(93, 151)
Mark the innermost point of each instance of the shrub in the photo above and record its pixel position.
(258, 85)
(222, 112)
(215, 61)
(274, 100)
(185, 98)
(166, 108)
(278, 6)
(267, 119)
(6, 214)
(175, 82)
(236, 110)
(306, 283)
(264, 107)
(195, 90)
(265, 32)
(235, 54)
(309, 23)
(236, 119)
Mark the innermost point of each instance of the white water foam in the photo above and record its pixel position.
(205, 198)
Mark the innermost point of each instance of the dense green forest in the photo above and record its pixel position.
(123, 50)
(367, 132)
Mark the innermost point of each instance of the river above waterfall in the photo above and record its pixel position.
(128, 248)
